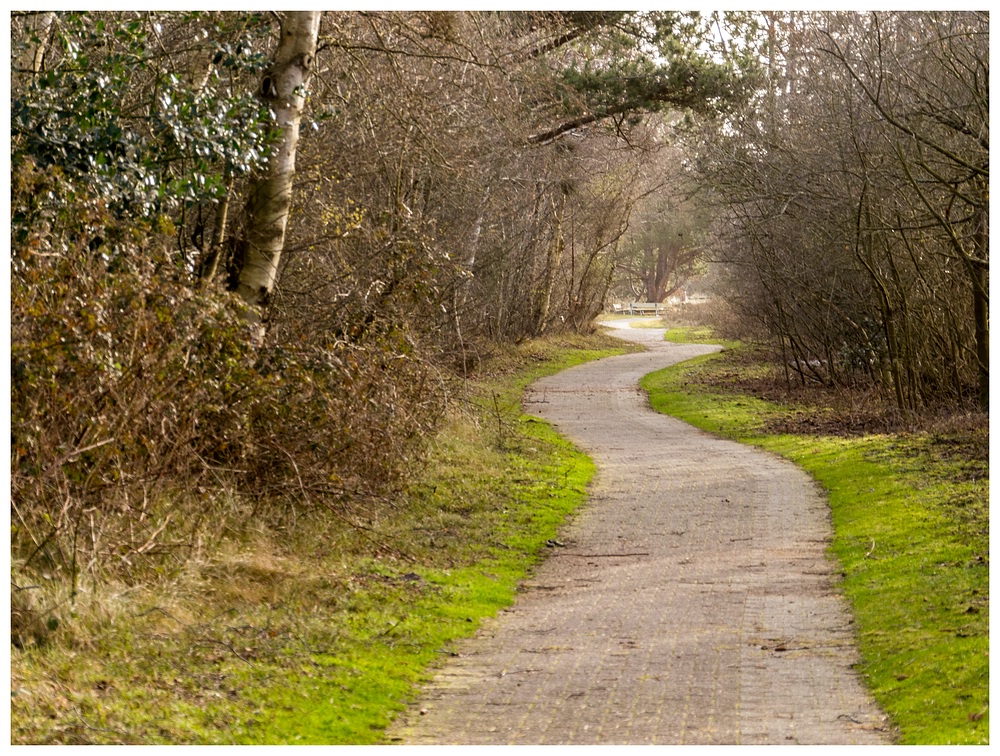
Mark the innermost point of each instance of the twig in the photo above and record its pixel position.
(156, 532)
(40, 546)
(505, 672)
(89, 726)
(590, 556)
(67, 457)
(236, 653)
(164, 612)
(24, 524)
(393, 626)
(496, 409)
(869, 554)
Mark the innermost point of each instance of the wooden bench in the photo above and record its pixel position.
(645, 308)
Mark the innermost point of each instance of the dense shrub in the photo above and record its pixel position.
(139, 408)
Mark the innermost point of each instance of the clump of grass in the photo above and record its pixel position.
(911, 536)
(701, 334)
(321, 635)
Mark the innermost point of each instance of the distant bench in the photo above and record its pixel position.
(640, 308)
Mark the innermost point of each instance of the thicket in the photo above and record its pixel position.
(855, 204)
(462, 181)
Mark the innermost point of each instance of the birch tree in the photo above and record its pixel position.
(283, 86)
(30, 53)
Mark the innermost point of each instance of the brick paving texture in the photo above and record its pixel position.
(692, 601)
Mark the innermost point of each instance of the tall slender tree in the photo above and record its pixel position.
(283, 86)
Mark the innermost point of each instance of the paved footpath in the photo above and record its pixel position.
(691, 603)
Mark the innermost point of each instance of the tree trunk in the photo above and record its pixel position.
(283, 87)
(465, 278)
(210, 264)
(981, 304)
(37, 27)
(553, 258)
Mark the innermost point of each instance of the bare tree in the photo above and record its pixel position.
(856, 187)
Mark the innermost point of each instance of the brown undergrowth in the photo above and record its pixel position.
(277, 613)
(814, 408)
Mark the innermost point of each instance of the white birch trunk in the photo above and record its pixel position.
(283, 86)
(30, 60)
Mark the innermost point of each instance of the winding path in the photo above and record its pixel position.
(691, 601)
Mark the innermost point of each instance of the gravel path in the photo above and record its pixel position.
(691, 601)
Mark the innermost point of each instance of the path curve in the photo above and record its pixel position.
(692, 601)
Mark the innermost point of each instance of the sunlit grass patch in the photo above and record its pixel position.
(695, 335)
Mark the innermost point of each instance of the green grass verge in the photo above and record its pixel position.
(911, 536)
(320, 636)
(493, 524)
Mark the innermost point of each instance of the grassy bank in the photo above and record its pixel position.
(910, 512)
(323, 638)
